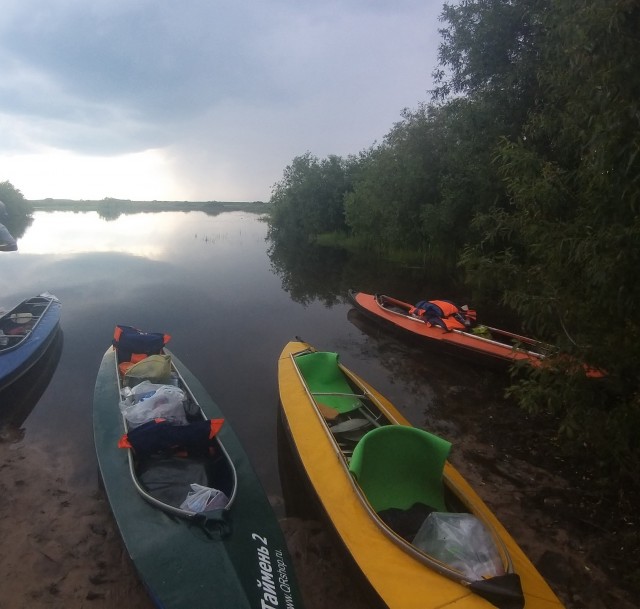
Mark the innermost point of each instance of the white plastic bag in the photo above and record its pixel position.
(461, 541)
(203, 499)
(147, 401)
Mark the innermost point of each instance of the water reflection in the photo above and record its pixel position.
(230, 300)
(20, 398)
(7, 242)
(311, 272)
(148, 235)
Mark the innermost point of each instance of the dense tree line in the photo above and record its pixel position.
(110, 208)
(522, 172)
(15, 211)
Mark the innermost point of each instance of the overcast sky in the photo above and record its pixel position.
(200, 99)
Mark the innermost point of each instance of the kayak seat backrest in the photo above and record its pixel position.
(397, 466)
(324, 379)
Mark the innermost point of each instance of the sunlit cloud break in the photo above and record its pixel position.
(200, 100)
(141, 176)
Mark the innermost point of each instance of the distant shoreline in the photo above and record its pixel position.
(111, 206)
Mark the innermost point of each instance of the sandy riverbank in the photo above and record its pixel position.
(61, 549)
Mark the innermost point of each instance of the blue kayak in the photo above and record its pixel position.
(26, 332)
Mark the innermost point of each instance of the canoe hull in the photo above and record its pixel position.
(398, 579)
(16, 360)
(181, 564)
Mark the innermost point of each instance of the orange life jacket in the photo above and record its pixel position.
(448, 308)
(440, 313)
(452, 323)
(441, 308)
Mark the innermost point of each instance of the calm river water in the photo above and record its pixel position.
(230, 302)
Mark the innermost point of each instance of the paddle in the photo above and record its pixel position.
(327, 412)
(350, 425)
(499, 344)
(524, 339)
(331, 413)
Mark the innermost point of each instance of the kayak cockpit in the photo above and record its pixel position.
(398, 471)
(176, 460)
(18, 325)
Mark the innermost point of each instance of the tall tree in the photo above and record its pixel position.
(490, 50)
(421, 186)
(567, 249)
(16, 211)
(309, 198)
(487, 85)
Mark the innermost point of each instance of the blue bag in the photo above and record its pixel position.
(130, 341)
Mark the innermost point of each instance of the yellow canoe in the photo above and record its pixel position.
(326, 433)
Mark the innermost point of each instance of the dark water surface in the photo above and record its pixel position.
(230, 302)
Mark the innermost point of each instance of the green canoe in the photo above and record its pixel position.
(235, 557)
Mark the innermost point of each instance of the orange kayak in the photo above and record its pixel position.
(494, 345)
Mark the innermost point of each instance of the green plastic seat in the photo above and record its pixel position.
(397, 466)
(322, 375)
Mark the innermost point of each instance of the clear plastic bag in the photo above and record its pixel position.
(147, 401)
(203, 499)
(461, 541)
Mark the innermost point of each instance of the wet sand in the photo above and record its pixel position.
(60, 545)
(61, 548)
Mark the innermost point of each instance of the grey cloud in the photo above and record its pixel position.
(148, 59)
(213, 83)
